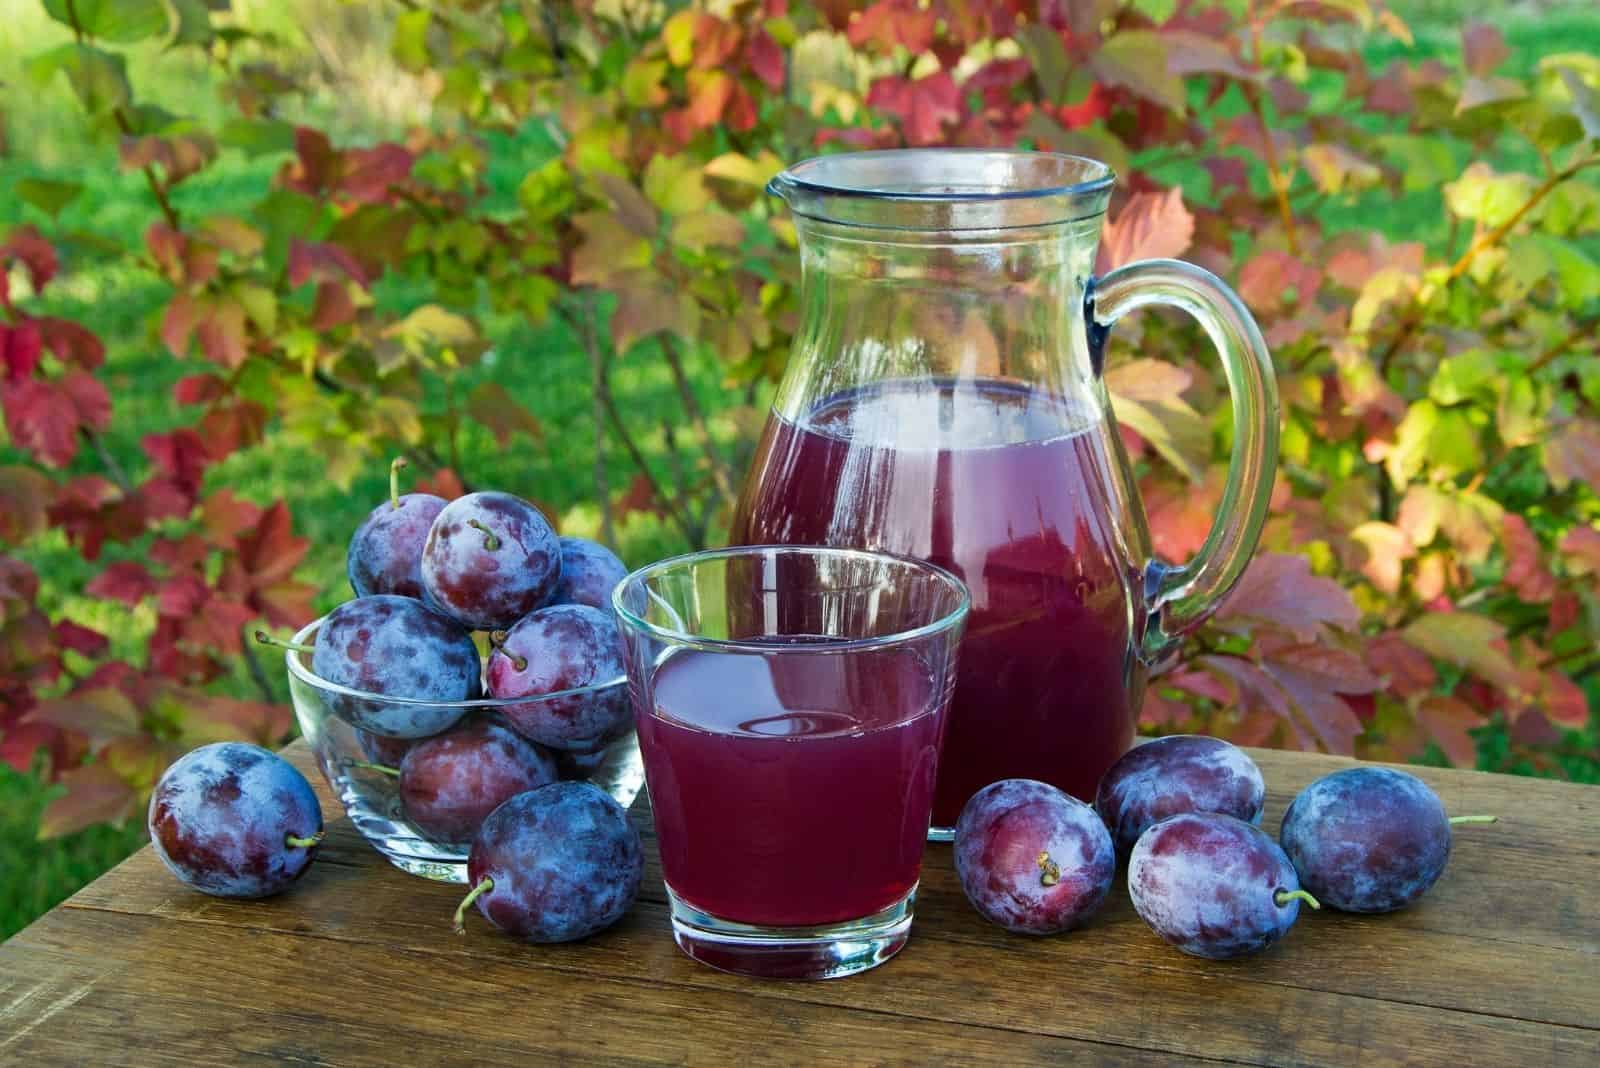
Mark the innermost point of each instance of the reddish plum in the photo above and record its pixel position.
(1213, 886)
(235, 820)
(1180, 773)
(564, 647)
(1368, 839)
(385, 554)
(1032, 858)
(396, 647)
(589, 572)
(554, 864)
(490, 559)
(448, 784)
(382, 750)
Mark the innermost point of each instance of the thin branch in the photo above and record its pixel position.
(681, 478)
(602, 481)
(1584, 331)
(257, 675)
(719, 471)
(1269, 151)
(109, 462)
(1481, 243)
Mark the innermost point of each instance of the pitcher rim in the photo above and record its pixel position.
(790, 178)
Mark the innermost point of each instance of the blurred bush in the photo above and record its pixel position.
(1429, 568)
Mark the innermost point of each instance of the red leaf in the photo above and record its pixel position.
(94, 795)
(370, 173)
(72, 342)
(1181, 514)
(18, 582)
(45, 417)
(638, 497)
(212, 718)
(220, 329)
(70, 635)
(182, 261)
(92, 511)
(1092, 108)
(198, 389)
(125, 581)
(1405, 669)
(21, 742)
(1227, 172)
(715, 42)
(923, 106)
(1200, 683)
(1269, 275)
(1525, 572)
(315, 166)
(765, 59)
(996, 79)
(334, 306)
(888, 23)
(1563, 701)
(491, 405)
(322, 262)
(232, 427)
(21, 346)
(1280, 590)
(177, 323)
(25, 245)
(740, 113)
(1313, 676)
(24, 503)
(226, 516)
(1150, 226)
(181, 456)
(1483, 48)
(1447, 721)
(260, 572)
(1581, 547)
(100, 714)
(181, 554)
(181, 596)
(1159, 711)
(442, 483)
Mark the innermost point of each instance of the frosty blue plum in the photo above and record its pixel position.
(1368, 839)
(398, 647)
(490, 559)
(385, 553)
(1179, 773)
(234, 820)
(554, 864)
(1213, 886)
(589, 572)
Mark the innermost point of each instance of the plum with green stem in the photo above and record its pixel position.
(385, 553)
(490, 559)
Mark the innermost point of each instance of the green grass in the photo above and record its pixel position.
(541, 367)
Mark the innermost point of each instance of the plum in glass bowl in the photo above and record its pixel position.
(417, 777)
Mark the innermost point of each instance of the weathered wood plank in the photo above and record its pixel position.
(147, 988)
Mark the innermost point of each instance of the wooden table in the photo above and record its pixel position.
(1500, 964)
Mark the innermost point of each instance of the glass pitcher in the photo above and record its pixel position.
(944, 399)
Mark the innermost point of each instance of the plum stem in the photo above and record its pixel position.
(298, 842)
(1473, 819)
(484, 886)
(1283, 897)
(386, 769)
(294, 647)
(1049, 870)
(497, 638)
(490, 541)
(394, 481)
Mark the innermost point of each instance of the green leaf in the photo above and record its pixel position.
(1137, 60)
(117, 21)
(1576, 276)
(491, 405)
(706, 229)
(1481, 195)
(47, 195)
(1048, 55)
(410, 43)
(260, 305)
(99, 78)
(1585, 102)
(194, 23)
(1458, 378)
(1468, 641)
(1519, 415)
(1443, 441)
(1424, 163)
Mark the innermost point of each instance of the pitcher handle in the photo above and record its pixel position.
(1179, 598)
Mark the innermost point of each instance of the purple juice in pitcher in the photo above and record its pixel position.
(1012, 490)
(806, 779)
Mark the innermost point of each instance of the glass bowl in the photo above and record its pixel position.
(351, 758)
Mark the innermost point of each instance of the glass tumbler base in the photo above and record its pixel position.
(824, 952)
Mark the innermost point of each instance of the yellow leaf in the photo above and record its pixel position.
(678, 36)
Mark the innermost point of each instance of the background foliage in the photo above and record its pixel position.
(524, 244)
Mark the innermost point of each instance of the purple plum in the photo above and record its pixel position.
(589, 572)
(385, 554)
(490, 559)
(449, 783)
(564, 647)
(1031, 858)
(235, 820)
(1180, 773)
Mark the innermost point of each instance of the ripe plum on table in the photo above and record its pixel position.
(234, 820)
(563, 647)
(396, 647)
(1032, 858)
(1179, 773)
(490, 559)
(1214, 886)
(385, 553)
(1369, 839)
(554, 864)
(450, 783)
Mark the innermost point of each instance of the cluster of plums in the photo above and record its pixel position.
(552, 857)
(1184, 813)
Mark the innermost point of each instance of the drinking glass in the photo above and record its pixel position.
(790, 703)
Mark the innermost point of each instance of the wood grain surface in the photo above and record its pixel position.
(357, 964)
